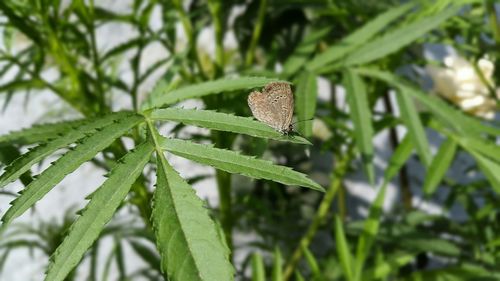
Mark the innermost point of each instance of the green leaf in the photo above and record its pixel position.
(258, 270)
(399, 157)
(439, 165)
(121, 48)
(397, 39)
(298, 276)
(19, 85)
(416, 130)
(234, 162)
(378, 24)
(9, 154)
(108, 263)
(303, 51)
(3, 258)
(485, 147)
(490, 169)
(147, 254)
(119, 259)
(109, 16)
(307, 91)
(447, 114)
(38, 133)
(70, 161)
(420, 243)
(370, 231)
(168, 83)
(277, 265)
(311, 261)
(24, 163)
(385, 268)
(103, 204)
(361, 35)
(362, 120)
(94, 253)
(222, 122)
(462, 272)
(25, 25)
(153, 68)
(222, 237)
(343, 250)
(186, 237)
(208, 88)
(7, 36)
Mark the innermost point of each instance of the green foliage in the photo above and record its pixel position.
(358, 37)
(222, 122)
(304, 50)
(277, 273)
(103, 204)
(233, 162)
(38, 133)
(362, 120)
(383, 269)
(258, 271)
(343, 250)
(312, 263)
(69, 162)
(307, 91)
(207, 88)
(186, 237)
(370, 230)
(368, 48)
(439, 165)
(65, 138)
(445, 113)
(415, 128)
(392, 41)
(490, 168)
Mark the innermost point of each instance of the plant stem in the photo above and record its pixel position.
(74, 91)
(321, 213)
(341, 198)
(224, 189)
(482, 78)
(223, 178)
(136, 74)
(96, 60)
(94, 251)
(225, 205)
(188, 29)
(403, 172)
(256, 33)
(215, 10)
(186, 23)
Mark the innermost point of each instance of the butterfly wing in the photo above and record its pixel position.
(280, 98)
(262, 110)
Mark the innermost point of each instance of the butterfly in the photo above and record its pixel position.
(273, 106)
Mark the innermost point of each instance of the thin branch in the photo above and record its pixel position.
(256, 33)
(338, 175)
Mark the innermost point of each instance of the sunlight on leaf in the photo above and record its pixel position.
(234, 162)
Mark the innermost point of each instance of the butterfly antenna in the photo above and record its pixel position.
(303, 121)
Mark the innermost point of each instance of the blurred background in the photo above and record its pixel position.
(65, 60)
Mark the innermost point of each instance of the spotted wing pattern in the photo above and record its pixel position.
(261, 109)
(273, 106)
(280, 97)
